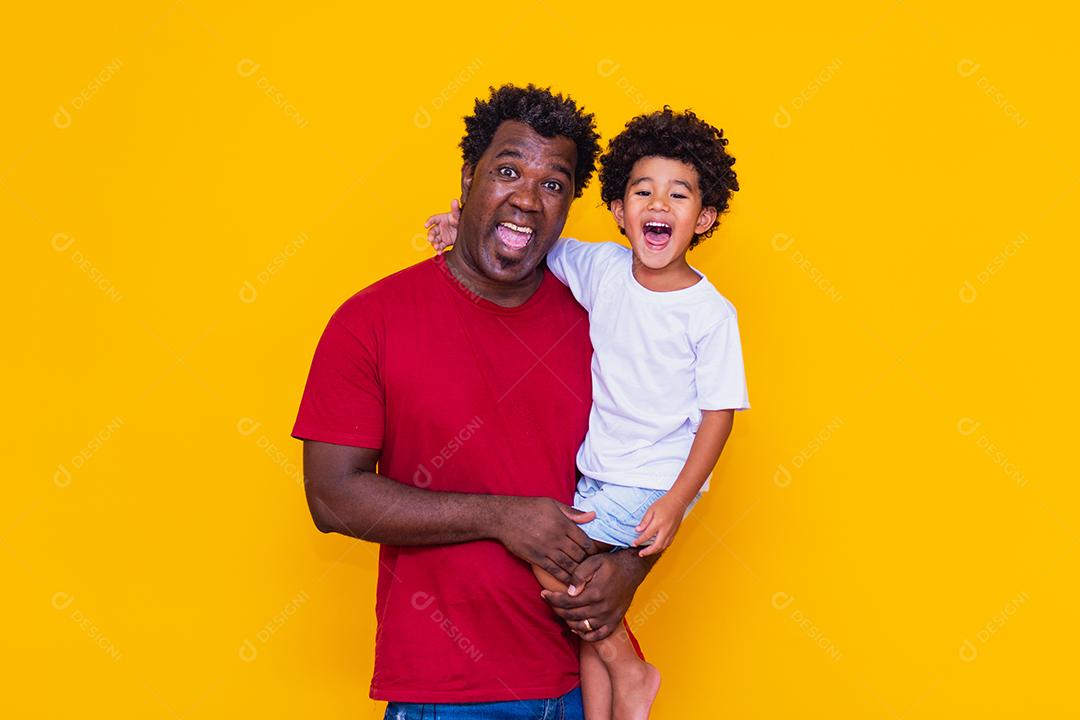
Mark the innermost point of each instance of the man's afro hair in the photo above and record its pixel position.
(546, 113)
(679, 136)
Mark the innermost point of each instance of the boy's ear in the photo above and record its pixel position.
(467, 171)
(618, 210)
(705, 219)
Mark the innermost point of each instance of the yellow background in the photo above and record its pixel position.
(187, 192)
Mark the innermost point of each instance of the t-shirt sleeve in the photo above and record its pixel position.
(581, 266)
(718, 371)
(343, 400)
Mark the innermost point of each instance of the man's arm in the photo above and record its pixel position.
(346, 495)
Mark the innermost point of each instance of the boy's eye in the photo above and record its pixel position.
(678, 195)
(642, 193)
(507, 171)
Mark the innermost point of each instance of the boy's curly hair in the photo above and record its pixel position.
(547, 113)
(679, 136)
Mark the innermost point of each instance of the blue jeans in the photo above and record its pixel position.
(567, 707)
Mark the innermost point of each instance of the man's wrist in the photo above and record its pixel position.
(491, 516)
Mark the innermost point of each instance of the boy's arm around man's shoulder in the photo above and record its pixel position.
(581, 266)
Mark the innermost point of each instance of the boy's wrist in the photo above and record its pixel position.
(681, 495)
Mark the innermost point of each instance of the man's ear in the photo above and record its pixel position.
(617, 210)
(467, 171)
(705, 219)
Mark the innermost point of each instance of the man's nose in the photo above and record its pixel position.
(526, 199)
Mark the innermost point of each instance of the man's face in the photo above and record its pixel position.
(515, 201)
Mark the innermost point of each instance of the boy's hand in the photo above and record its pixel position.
(442, 229)
(661, 521)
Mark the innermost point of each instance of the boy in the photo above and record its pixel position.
(667, 366)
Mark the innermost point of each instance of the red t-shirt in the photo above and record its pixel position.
(463, 395)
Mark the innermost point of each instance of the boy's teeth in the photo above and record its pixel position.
(657, 231)
(657, 234)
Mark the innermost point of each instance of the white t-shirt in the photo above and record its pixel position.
(659, 359)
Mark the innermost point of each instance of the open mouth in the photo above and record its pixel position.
(514, 237)
(657, 234)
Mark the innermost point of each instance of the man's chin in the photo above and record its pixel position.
(510, 267)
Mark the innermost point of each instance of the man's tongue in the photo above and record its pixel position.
(512, 238)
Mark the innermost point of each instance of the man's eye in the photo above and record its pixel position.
(506, 171)
(553, 185)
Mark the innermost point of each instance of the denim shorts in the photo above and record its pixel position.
(567, 707)
(619, 509)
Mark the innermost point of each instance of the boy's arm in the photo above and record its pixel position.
(576, 264)
(664, 516)
(610, 579)
(442, 233)
(583, 266)
(705, 451)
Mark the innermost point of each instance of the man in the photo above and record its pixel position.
(463, 476)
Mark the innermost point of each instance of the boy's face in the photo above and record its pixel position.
(661, 211)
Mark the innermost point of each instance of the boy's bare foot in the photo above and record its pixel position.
(634, 693)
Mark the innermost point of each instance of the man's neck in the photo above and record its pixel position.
(503, 294)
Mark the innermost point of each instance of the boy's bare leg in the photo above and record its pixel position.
(595, 684)
(634, 682)
(595, 681)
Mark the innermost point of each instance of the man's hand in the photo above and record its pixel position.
(603, 585)
(541, 531)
